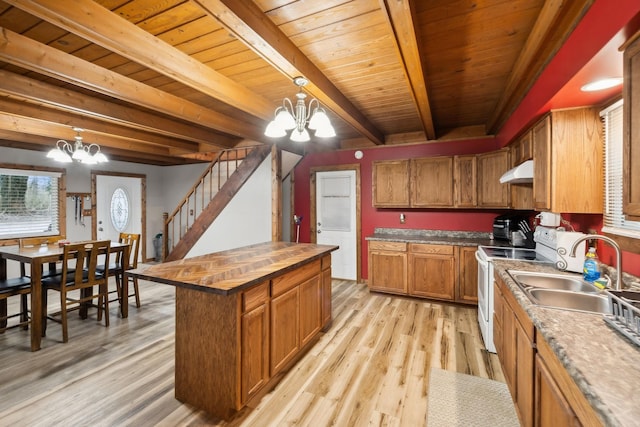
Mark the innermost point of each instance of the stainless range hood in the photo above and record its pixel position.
(523, 173)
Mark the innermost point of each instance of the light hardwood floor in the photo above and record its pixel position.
(370, 368)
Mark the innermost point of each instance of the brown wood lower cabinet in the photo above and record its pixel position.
(431, 271)
(516, 351)
(467, 289)
(552, 409)
(254, 340)
(542, 390)
(444, 272)
(388, 267)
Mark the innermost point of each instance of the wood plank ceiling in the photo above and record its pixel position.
(172, 81)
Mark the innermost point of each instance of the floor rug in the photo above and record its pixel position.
(463, 400)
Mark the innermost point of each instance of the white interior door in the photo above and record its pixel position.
(336, 216)
(118, 206)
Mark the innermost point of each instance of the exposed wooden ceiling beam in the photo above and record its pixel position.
(401, 16)
(247, 22)
(41, 143)
(554, 24)
(99, 25)
(17, 108)
(70, 101)
(34, 126)
(34, 56)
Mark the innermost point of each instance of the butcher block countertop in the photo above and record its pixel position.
(233, 270)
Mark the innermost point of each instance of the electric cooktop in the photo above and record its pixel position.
(522, 254)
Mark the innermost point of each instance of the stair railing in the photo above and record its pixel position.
(200, 194)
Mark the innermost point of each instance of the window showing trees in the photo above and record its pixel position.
(29, 203)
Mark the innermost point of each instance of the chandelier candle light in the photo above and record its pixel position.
(67, 152)
(289, 118)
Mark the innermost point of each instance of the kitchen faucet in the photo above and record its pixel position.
(618, 285)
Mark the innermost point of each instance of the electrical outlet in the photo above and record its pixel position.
(403, 218)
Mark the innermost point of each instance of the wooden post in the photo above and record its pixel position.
(165, 236)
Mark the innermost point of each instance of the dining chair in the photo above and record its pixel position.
(115, 269)
(12, 287)
(34, 242)
(79, 272)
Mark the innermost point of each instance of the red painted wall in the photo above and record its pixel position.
(603, 25)
(371, 218)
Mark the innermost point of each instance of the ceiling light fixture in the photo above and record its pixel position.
(289, 118)
(602, 84)
(66, 152)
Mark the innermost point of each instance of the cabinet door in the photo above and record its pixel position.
(551, 407)
(631, 177)
(388, 267)
(432, 182)
(432, 275)
(391, 184)
(310, 309)
(542, 169)
(465, 178)
(254, 351)
(491, 166)
(498, 322)
(285, 330)
(525, 356)
(467, 289)
(509, 348)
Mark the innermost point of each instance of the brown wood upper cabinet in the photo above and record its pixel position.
(521, 151)
(391, 184)
(631, 135)
(567, 148)
(431, 182)
(465, 178)
(466, 181)
(491, 166)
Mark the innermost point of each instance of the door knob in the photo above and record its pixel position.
(319, 231)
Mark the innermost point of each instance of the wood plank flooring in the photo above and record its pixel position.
(370, 368)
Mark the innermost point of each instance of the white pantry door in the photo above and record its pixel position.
(118, 206)
(336, 220)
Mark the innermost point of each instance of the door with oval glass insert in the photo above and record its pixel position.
(118, 206)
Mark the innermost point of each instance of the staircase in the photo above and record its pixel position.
(208, 197)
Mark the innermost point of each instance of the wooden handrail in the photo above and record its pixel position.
(235, 155)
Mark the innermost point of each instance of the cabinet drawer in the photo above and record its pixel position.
(255, 297)
(431, 249)
(289, 280)
(387, 246)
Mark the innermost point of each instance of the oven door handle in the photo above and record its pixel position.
(481, 261)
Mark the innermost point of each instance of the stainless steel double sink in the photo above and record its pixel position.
(564, 291)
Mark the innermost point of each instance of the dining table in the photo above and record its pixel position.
(37, 257)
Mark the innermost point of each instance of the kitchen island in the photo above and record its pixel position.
(244, 316)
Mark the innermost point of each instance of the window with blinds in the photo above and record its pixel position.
(614, 221)
(29, 203)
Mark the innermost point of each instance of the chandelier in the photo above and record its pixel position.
(314, 117)
(67, 152)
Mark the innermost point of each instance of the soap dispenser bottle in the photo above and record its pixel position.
(591, 269)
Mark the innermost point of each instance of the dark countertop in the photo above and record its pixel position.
(435, 237)
(230, 271)
(604, 364)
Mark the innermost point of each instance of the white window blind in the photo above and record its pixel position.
(28, 203)
(614, 221)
